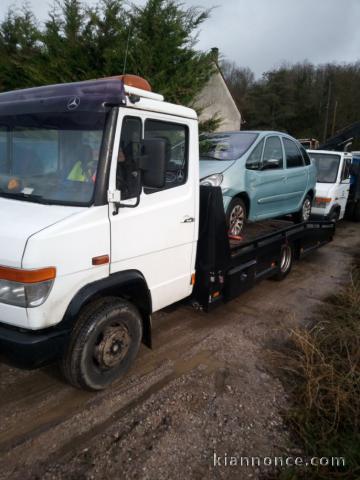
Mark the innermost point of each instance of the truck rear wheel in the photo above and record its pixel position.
(103, 345)
(286, 260)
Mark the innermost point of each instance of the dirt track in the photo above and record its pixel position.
(203, 388)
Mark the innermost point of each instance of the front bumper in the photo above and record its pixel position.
(30, 349)
(318, 217)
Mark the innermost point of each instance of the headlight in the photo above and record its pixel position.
(214, 180)
(24, 294)
(25, 288)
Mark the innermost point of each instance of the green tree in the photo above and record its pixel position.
(162, 49)
(20, 49)
(300, 99)
(157, 41)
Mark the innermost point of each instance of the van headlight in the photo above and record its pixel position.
(25, 288)
(214, 180)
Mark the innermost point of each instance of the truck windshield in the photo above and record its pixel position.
(327, 166)
(50, 158)
(225, 146)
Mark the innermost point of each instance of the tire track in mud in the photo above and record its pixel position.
(59, 410)
(179, 368)
(36, 406)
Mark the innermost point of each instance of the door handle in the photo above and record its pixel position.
(188, 219)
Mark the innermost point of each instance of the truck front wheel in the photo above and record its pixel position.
(103, 344)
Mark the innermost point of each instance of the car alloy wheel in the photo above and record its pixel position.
(306, 209)
(236, 220)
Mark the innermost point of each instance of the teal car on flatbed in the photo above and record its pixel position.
(262, 175)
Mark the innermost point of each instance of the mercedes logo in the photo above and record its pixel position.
(73, 103)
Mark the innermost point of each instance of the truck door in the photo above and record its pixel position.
(157, 237)
(343, 187)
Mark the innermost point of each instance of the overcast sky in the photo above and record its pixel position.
(262, 34)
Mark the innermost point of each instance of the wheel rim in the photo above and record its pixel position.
(285, 261)
(111, 346)
(306, 209)
(236, 220)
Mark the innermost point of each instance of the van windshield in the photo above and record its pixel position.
(327, 166)
(50, 157)
(225, 146)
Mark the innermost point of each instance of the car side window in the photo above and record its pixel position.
(127, 177)
(345, 174)
(293, 156)
(176, 137)
(254, 159)
(273, 151)
(305, 155)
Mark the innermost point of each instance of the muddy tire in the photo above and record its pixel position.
(236, 216)
(286, 261)
(103, 344)
(303, 215)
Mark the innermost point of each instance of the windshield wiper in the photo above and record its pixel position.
(26, 197)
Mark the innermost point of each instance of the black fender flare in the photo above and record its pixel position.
(128, 284)
(336, 206)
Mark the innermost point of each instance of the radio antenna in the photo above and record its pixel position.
(127, 50)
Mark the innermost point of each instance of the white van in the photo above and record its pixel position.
(333, 183)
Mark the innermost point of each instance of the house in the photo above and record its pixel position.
(216, 101)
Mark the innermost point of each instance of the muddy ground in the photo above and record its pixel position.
(204, 388)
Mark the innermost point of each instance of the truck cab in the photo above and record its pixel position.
(333, 183)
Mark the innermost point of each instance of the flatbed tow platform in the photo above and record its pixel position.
(226, 268)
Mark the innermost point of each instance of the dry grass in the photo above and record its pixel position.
(320, 367)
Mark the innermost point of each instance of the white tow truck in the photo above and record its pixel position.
(103, 222)
(332, 185)
(337, 186)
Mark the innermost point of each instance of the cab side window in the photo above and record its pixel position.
(176, 137)
(254, 159)
(345, 174)
(293, 156)
(273, 151)
(127, 177)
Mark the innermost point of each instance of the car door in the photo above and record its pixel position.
(264, 183)
(158, 236)
(296, 176)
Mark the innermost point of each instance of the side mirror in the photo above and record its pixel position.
(153, 160)
(271, 163)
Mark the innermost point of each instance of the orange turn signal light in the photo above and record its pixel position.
(101, 260)
(322, 200)
(134, 81)
(27, 276)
